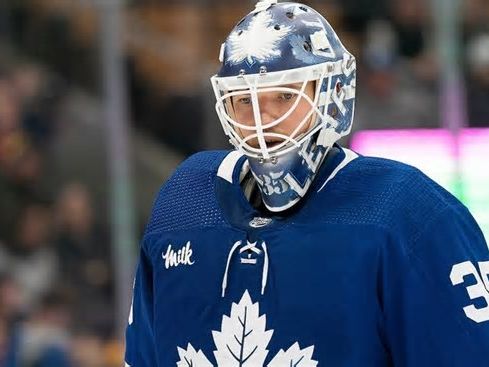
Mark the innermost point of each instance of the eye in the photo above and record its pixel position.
(244, 100)
(287, 96)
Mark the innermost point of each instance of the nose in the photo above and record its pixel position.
(266, 117)
(267, 110)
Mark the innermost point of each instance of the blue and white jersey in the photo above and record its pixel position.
(377, 266)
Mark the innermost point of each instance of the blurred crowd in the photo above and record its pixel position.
(56, 282)
(56, 277)
(172, 47)
(399, 76)
(399, 73)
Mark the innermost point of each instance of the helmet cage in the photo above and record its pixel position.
(253, 84)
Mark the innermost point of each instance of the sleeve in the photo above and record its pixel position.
(140, 344)
(435, 294)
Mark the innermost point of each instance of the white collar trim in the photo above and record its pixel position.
(226, 168)
(349, 156)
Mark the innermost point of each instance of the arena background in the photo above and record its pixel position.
(101, 99)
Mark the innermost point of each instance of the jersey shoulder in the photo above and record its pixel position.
(384, 193)
(187, 199)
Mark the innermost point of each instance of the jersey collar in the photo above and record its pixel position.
(240, 213)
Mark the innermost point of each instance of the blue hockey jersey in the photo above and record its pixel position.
(377, 266)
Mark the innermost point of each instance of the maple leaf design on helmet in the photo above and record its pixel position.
(243, 341)
(259, 42)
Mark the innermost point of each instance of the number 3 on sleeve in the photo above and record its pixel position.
(478, 290)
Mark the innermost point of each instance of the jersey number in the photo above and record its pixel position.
(478, 290)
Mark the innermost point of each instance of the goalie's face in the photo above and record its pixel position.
(286, 104)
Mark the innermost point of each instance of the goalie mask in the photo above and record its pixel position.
(285, 94)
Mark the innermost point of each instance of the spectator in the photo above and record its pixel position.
(30, 259)
(44, 337)
(410, 20)
(478, 80)
(84, 248)
(39, 95)
(395, 92)
(20, 163)
(476, 17)
(88, 350)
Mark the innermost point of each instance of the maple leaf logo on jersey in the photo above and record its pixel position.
(243, 341)
(259, 42)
